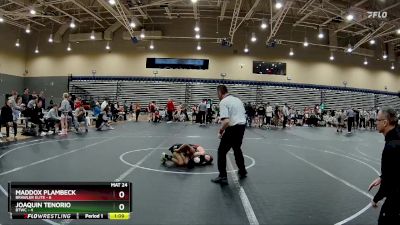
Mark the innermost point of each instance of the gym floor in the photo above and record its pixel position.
(299, 175)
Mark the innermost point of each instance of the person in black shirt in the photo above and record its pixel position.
(389, 180)
(7, 119)
(37, 117)
(356, 118)
(26, 97)
(261, 115)
(250, 113)
(43, 99)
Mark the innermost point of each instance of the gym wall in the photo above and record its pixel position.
(12, 61)
(311, 65)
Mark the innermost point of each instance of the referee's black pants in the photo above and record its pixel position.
(350, 122)
(390, 212)
(232, 138)
(202, 115)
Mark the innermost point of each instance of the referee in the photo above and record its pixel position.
(233, 124)
(389, 180)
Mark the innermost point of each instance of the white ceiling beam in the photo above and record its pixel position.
(84, 8)
(360, 3)
(124, 18)
(223, 9)
(65, 13)
(281, 16)
(124, 21)
(141, 11)
(236, 11)
(40, 24)
(305, 7)
(248, 14)
(195, 11)
(392, 40)
(157, 3)
(55, 20)
(367, 37)
(387, 32)
(13, 23)
(304, 17)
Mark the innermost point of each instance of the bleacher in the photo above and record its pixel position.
(192, 91)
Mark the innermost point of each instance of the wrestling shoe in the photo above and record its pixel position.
(242, 175)
(220, 180)
(163, 158)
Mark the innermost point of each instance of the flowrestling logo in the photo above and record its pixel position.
(379, 15)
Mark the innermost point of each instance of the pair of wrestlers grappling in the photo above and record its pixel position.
(187, 155)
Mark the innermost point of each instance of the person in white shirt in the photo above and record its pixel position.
(268, 115)
(285, 112)
(52, 120)
(363, 116)
(80, 117)
(372, 118)
(340, 120)
(233, 125)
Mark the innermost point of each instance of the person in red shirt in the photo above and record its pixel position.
(152, 109)
(170, 109)
(78, 103)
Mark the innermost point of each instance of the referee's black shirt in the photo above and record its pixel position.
(390, 169)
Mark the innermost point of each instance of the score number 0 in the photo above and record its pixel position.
(121, 194)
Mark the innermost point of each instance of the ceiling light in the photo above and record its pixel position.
(264, 24)
(194, 1)
(108, 46)
(28, 28)
(349, 17)
(143, 33)
(384, 55)
(246, 49)
(198, 46)
(331, 57)
(253, 37)
(17, 43)
(37, 49)
(197, 36)
(372, 41)
(51, 38)
(72, 24)
(112, 2)
(320, 33)
(92, 37)
(32, 11)
(1, 19)
(197, 27)
(349, 48)
(398, 31)
(151, 45)
(291, 53)
(392, 67)
(305, 42)
(365, 61)
(278, 5)
(69, 47)
(132, 24)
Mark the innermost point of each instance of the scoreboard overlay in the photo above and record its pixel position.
(70, 200)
